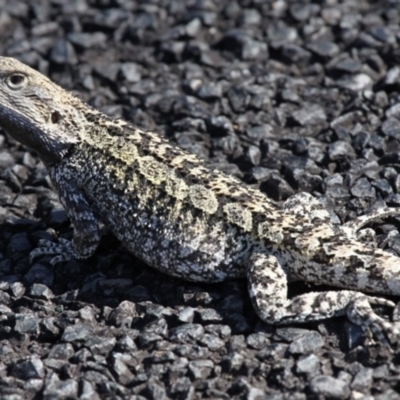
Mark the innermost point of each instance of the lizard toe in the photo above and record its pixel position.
(63, 251)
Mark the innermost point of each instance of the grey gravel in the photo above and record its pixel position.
(285, 95)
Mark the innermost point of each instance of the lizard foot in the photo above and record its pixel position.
(360, 312)
(63, 251)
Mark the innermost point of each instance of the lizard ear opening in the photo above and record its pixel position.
(55, 117)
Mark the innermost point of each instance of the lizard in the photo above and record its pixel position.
(186, 219)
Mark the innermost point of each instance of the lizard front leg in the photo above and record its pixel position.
(267, 283)
(86, 227)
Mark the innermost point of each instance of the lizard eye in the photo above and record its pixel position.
(16, 81)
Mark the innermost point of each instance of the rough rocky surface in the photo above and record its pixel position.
(287, 96)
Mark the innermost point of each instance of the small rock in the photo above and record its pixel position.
(209, 315)
(391, 128)
(363, 189)
(311, 114)
(40, 291)
(213, 342)
(310, 342)
(308, 364)
(186, 315)
(100, 345)
(340, 150)
(61, 351)
(65, 389)
(26, 323)
(108, 70)
(363, 380)
(257, 340)
(324, 49)
(87, 40)
(39, 274)
(123, 314)
(155, 390)
(126, 344)
(122, 372)
(76, 332)
(131, 72)
(330, 387)
(63, 53)
(201, 369)
(232, 362)
(31, 368)
(186, 333)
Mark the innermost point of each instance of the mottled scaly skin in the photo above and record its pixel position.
(187, 220)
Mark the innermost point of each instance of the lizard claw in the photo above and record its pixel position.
(63, 251)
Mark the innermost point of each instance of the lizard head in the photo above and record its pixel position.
(37, 112)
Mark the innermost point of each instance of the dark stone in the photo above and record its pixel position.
(219, 125)
(340, 150)
(155, 390)
(108, 70)
(88, 40)
(238, 99)
(60, 389)
(324, 49)
(19, 247)
(363, 189)
(146, 339)
(63, 53)
(39, 274)
(347, 65)
(279, 33)
(383, 186)
(126, 344)
(295, 54)
(48, 328)
(31, 368)
(232, 362)
(122, 372)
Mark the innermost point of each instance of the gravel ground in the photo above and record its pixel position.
(287, 96)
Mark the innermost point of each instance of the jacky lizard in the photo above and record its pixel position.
(187, 220)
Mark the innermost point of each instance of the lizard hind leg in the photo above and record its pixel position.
(356, 224)
(267, 284)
